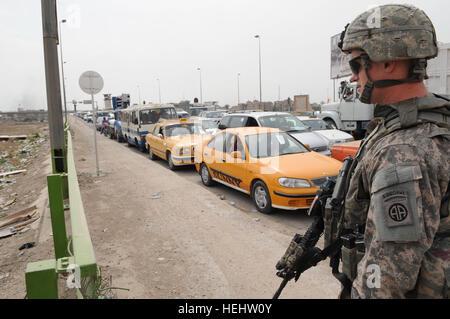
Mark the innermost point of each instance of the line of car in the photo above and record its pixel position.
(272, 156)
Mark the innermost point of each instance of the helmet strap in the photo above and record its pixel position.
(368, 88)
(416, 75)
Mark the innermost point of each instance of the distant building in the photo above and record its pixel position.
(438, 71)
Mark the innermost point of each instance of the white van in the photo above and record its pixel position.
(139, 120)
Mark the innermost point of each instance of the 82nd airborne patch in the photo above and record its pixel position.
(396, 208)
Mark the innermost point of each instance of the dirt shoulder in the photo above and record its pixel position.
(22, 191)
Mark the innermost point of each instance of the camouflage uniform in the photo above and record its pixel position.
(400, 180)
(396, 190)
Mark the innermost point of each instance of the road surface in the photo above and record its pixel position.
(163, 234)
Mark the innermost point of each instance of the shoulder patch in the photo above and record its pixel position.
(397, 203)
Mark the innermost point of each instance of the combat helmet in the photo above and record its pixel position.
(391, 33)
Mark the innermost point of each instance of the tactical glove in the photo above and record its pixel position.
(286, 265)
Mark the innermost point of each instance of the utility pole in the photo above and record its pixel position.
(62, 67)
(159, 90)
(201, 91)
(238, 75)
(52, 80)
(260, 86)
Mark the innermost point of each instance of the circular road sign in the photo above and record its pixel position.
(91, 82)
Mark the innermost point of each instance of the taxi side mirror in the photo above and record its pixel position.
(160, 135)
(307, 146)
(236, 154)
(222, 127)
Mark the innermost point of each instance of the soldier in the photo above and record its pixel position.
(399, 188)
(398, 192)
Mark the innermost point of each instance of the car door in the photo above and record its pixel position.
(214, 156)
(158, 142)
(236, 168)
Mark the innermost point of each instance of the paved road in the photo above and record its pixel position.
(163, 234)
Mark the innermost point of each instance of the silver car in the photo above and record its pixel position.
(283, 121)
(319, 126)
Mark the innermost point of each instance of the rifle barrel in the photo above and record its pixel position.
(280, 289)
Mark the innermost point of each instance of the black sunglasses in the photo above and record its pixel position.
(355, 66)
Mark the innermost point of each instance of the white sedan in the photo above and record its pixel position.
(319, 126)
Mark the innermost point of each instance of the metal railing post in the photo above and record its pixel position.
(41, 280)
(56, 200)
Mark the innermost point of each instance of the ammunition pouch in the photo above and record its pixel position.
(352, 251)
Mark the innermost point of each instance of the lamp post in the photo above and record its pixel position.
(62, 67)
(159, 90)
(200, 73)
(260, 88)
(238, 75)
(139, 94)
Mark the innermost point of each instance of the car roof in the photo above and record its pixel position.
(148, 106)
(174, 121)
(251, 130)
(257, 114)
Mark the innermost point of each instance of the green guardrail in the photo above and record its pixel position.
(74, 255)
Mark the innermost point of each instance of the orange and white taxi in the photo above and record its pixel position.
(275, 169)
(175, 141)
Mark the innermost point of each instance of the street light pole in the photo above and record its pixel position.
(238, 75)
(260, 87)
(62, 68)
(201, 99)
(139, 94)
(159, 90)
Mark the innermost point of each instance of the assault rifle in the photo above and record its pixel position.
(326, 208)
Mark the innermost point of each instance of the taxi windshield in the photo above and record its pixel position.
(183, 129)
(316, 125)
(273, 144)
(209, 124)
(288, 123)
(215, 114)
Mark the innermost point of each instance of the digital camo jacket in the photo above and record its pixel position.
(397, 190)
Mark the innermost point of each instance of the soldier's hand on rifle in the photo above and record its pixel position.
(286, 265)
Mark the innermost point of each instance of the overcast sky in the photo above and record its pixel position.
(135, 42)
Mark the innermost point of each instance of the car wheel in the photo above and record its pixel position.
(261, 197)
(128, 142)
(205, 175)
(172, 166)
(152, 156)
(137, 145)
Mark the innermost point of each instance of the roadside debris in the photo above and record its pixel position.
(232, 203)
(13, 172)
(222, 197)
(18, 222)
(10, 202)
(4, 276)
(24, 230)
(156, 195)
(13, 137)
(256, 219)
(27, 245)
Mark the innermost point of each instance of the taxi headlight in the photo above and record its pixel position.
(294, 182)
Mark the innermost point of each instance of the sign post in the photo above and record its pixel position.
(92, 83)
